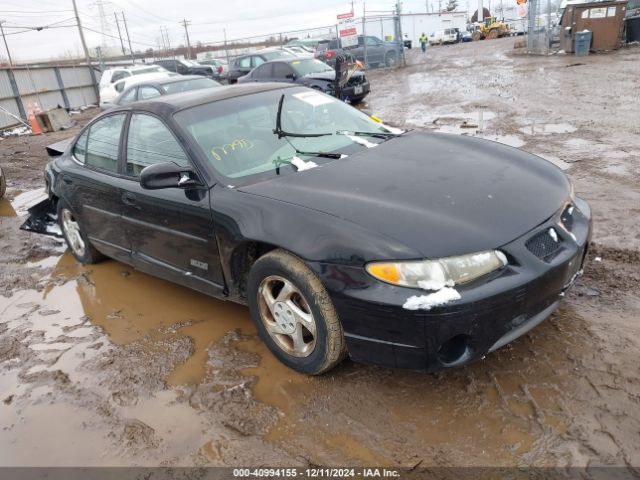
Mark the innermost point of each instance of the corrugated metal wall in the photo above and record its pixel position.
(41, 85)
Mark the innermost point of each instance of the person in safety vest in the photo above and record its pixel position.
(423, 42)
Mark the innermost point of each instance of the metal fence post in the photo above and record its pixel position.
(65, 99)
(94, 82)
(16, 94)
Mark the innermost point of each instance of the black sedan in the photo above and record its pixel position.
(310, 73)
(342, 235)
(162, 86)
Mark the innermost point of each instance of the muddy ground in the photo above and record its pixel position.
(102, 365)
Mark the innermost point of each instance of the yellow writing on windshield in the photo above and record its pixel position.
(239, 144)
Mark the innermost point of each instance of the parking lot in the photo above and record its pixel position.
(130, 370)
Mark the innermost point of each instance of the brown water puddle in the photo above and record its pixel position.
(131, 306)
(6, 210)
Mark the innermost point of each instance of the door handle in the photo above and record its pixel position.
(129, 199)
(67, 180)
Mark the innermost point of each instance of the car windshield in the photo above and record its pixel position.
(191, 63)
(187, 85)
(153, 69)
(277, 54)
(236, 135)
(310, 65)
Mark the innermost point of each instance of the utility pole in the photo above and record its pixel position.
(480, 11)
(185, 23)
(84, 44)
(226, 49)
(124, 52)
(126, 29)
(166, 32)
(5, 43)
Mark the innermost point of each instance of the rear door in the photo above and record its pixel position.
(171, 230)
(92, 186)
(282, 72)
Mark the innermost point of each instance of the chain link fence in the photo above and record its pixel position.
(540, 28)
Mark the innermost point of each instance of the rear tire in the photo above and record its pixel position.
(75, 236)
(294, 314)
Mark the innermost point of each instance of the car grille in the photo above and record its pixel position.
(543, 245)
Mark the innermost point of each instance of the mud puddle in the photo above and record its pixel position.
(6, 210)
(135, 357)
(547, 128)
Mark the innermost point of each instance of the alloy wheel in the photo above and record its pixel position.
(286, 316)
(72, 232)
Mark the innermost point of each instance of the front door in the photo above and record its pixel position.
(171, 230)
(91, 186)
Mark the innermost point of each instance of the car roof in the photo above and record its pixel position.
(173, 79)
(168, 104)
(291, 60)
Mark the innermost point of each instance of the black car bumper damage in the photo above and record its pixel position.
(490, 314)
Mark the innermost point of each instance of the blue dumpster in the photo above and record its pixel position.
(583, 43)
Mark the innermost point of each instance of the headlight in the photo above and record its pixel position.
(436, 274)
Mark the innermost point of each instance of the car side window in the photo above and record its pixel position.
(373, 41)
(150, 142)
(80, 148)
(103, 143)
(146, 92)
(257, 61)
(119, 86)
(128, 97)
(245, 62)
(281, 70)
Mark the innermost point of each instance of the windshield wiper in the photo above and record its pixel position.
(281, 133)
(383, 135)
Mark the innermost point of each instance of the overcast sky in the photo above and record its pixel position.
(240, 18)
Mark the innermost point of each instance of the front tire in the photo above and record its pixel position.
(391, 60)
(75, 236)
(294, 314)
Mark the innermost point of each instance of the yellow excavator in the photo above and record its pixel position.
(491, 28)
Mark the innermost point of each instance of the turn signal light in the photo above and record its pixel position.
(387, 272)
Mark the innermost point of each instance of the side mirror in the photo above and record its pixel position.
(168, 175)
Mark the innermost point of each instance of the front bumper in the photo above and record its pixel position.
(491, 313)
(355, 93)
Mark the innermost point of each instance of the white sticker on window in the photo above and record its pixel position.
(314, 98)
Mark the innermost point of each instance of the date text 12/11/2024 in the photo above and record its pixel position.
(315, 473)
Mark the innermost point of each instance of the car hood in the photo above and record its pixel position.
(329, 76)
(438, 194)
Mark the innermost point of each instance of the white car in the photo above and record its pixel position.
(111, 76)
(109, 93)
(298, 51)
(449, 35)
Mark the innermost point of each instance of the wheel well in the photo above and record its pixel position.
(242, 259)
